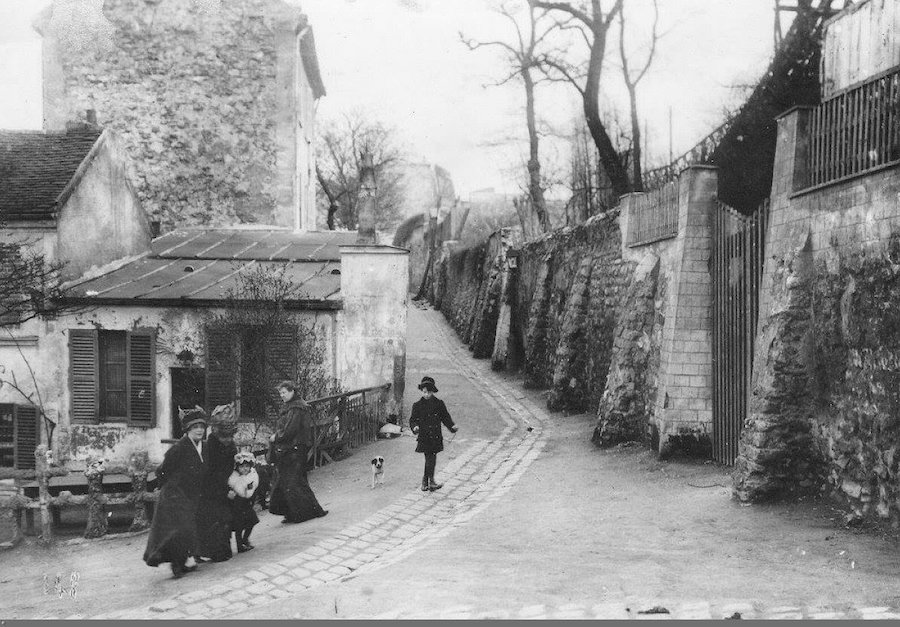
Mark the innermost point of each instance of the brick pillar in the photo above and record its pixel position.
(684, 400)
(627, 205)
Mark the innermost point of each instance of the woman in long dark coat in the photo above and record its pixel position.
(428, 414)
(291, 495)
(214, 515)
(173, 532)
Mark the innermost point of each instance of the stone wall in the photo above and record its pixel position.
(207, 96)
(826, 388)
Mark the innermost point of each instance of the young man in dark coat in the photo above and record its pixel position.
(428, 414)
(291, 495)
(173, 532)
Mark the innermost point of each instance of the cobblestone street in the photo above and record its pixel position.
(508, 536)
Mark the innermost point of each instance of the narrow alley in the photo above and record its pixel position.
(532, 522)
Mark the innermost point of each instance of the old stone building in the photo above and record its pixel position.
(213, 100)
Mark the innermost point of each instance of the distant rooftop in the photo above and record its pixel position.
(36, 170)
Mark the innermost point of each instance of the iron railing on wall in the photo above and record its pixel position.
(654, 216)
(855, 131)
(347, 420)
(738, 253)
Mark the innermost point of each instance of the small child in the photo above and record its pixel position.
(242, 484)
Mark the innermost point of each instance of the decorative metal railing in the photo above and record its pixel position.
(347, 420)
(854, 132)
(654, 216)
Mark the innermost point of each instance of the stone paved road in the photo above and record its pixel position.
(479, 476)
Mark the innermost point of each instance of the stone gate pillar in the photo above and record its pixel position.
(684, 399)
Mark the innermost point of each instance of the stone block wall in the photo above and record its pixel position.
(826, 389)
(204, 94)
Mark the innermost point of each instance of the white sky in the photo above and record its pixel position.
(402, 62)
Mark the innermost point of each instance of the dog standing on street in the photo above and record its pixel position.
(377, 470)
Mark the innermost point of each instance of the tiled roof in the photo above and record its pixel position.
(37, 167)
(202, 267)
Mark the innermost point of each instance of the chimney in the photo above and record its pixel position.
(89, 123)
(367, 202)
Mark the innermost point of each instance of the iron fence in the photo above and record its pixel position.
(737, 261)
(855, 131)
(654, 216)
(347, 420)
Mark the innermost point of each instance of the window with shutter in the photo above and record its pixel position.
(220, 366)
(84, 375)
(281, 362)
(141, 393)
(7, 436)
(26, 435)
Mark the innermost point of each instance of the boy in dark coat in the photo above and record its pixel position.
(428, 413)
(173, 532)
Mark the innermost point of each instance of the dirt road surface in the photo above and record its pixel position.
(533, 521)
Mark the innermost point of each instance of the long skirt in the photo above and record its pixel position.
(243, 516)
(214, 528)
(173, 532)
(291, 495)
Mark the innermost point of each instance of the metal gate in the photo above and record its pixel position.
(737, 260)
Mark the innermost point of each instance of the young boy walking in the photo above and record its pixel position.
(428, 414)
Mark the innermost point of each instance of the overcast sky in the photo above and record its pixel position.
(402, 62)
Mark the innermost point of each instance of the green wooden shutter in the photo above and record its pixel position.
(221, 366)
(26, 435)
(141, 376)
(84, 374)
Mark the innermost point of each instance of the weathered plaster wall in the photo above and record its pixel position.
(372, 323)
(48, 356)
(826, 393)
(205, 95)
(102, 220)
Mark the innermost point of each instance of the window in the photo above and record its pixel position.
(18, 435)
(112, 376)
(244, 363)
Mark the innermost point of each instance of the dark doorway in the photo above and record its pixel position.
(188, 390)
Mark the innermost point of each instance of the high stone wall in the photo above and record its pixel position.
(192, 88)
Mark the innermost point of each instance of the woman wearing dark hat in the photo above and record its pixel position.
(173, 533)
(214, 514)
(428, 413)
(291, 495)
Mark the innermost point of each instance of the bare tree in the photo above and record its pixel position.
(593, 26)
(631, 83)
(339, 168)
(268, 343)
(30, 285)
(523, 58)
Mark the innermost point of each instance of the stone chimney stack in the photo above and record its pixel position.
(367, 202)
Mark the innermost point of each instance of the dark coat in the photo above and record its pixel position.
(214, 516)
(427, 415)
(291, 495)
(173, 532)
(294, 425)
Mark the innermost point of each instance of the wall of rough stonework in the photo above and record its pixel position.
(826, 388)
(203, 94)
(467, 289)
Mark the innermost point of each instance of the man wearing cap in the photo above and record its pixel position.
(173, 533)
(428, 414)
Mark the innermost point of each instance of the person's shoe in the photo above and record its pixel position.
(244, 548)
(248, 546)
(324, 513)
(177, 571)
(433, 485)
(424, 485)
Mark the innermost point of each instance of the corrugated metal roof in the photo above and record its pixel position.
(202, 267)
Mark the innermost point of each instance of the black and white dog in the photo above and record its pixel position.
(377, 470)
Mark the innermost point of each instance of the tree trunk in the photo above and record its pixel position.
(637, 181)
(609, 158)
(535, 191)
